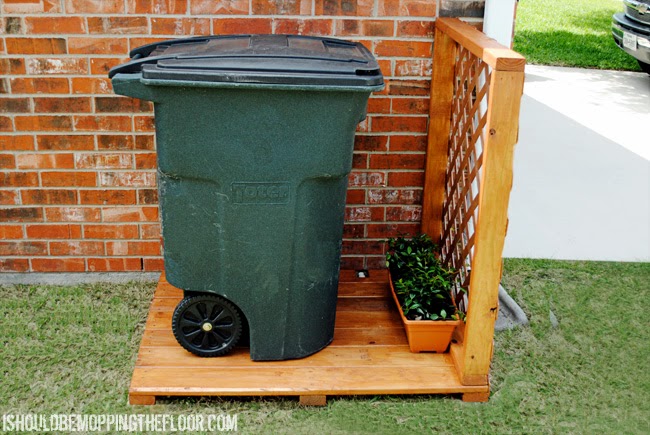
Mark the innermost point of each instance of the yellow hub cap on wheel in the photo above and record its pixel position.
(207, 327)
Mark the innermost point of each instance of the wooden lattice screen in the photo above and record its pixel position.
(476, 88)
(462, 184)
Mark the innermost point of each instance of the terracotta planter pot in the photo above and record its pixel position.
(425, 335)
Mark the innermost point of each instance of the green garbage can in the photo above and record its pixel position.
(254, 139)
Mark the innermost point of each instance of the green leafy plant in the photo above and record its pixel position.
(422, 284)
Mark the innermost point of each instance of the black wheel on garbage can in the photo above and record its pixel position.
(207, 325)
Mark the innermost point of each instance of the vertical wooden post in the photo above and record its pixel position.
(506, 88)
(442, 93)
(314, 400)
(136, 399)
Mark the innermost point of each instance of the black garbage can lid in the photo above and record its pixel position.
(272, 59)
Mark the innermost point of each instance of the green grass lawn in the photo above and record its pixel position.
(72, 349)
(570, 33)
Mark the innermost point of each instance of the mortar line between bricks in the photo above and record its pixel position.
(123, 133)
(188, 15)
(98, 76)
(137, 188)
(154, 171)
(110, 132)
(83, 113)
(115, 239)
(129, 37)
(148, 114)
(242, 17)
(380, 134)
(87, 56)
(134, 114)
(79, 95)
(64, 152)
(86, 189)
(86, 133)
(144, 133)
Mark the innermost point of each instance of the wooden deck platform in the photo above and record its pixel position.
(369, 355)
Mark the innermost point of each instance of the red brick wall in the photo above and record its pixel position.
(77, 163)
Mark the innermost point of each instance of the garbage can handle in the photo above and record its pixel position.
(135, 66)
(132, 86)
(146, 50)
(140, 55)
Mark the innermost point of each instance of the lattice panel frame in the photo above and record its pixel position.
(464, 164)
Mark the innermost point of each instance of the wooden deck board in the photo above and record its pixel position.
(356, 304)
(369, 355)
(265, 381)
(342, 337)
(347, 356)
(344, 319)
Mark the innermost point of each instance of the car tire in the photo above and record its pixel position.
(645, 66)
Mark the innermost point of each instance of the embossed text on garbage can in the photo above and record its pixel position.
(260, 193)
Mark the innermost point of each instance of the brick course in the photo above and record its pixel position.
(77, 163)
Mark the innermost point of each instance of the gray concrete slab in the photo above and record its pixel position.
(582, 167)
(71, 278)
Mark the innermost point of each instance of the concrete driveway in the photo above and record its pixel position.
(582, 167)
